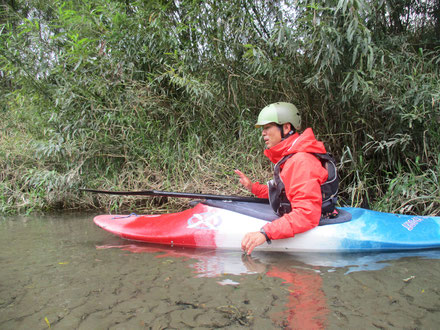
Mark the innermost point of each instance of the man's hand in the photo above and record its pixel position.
(252, 240)
(244, 180)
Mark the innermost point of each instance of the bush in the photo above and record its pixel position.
(164, 95)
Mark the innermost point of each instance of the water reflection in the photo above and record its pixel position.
(355, 262)
(208, 263)
(212, 263)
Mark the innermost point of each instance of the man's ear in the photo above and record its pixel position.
(287, 127)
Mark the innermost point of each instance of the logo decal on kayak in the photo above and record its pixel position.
(206, 220)
(411, 223)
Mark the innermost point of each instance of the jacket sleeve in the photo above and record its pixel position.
(260, 190)
(302, 175)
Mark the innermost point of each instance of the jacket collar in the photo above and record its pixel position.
(278, 151)
(305, 142)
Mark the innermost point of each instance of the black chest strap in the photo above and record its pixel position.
(329, 189)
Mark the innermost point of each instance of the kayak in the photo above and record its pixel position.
(222, 225)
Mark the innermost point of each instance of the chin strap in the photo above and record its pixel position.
(282, 132)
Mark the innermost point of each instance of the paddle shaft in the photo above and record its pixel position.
(180, 195)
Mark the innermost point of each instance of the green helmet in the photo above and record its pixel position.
(279, 113)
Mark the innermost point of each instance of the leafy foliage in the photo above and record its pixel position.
(164, 94)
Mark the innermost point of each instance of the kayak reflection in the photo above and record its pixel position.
(212, 263)
(355, 262)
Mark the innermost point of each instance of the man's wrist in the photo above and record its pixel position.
(265, 235)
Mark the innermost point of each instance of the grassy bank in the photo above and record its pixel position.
(153, 95)
(32, 182)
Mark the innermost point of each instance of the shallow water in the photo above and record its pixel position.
(63, 272)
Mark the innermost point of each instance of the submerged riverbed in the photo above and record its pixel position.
(63, 272)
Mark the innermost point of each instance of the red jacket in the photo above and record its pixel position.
(302, 175)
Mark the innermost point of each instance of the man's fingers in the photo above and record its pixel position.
(251, 241)
(245, 242)
(251, 249)
(239, 173)
(244, 180)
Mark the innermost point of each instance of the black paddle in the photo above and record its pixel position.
(180, 195)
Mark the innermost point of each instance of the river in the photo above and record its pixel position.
(63, 272)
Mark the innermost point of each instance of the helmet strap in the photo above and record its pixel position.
(285, 136)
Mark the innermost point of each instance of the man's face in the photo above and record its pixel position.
(271, 135)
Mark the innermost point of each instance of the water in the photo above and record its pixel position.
(63, 272)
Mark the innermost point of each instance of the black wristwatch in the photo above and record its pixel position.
(265, 235)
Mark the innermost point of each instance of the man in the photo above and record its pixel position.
(302, 175)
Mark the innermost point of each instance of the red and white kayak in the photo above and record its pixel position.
(205, 226)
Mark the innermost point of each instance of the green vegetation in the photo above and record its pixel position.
(159, 94)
